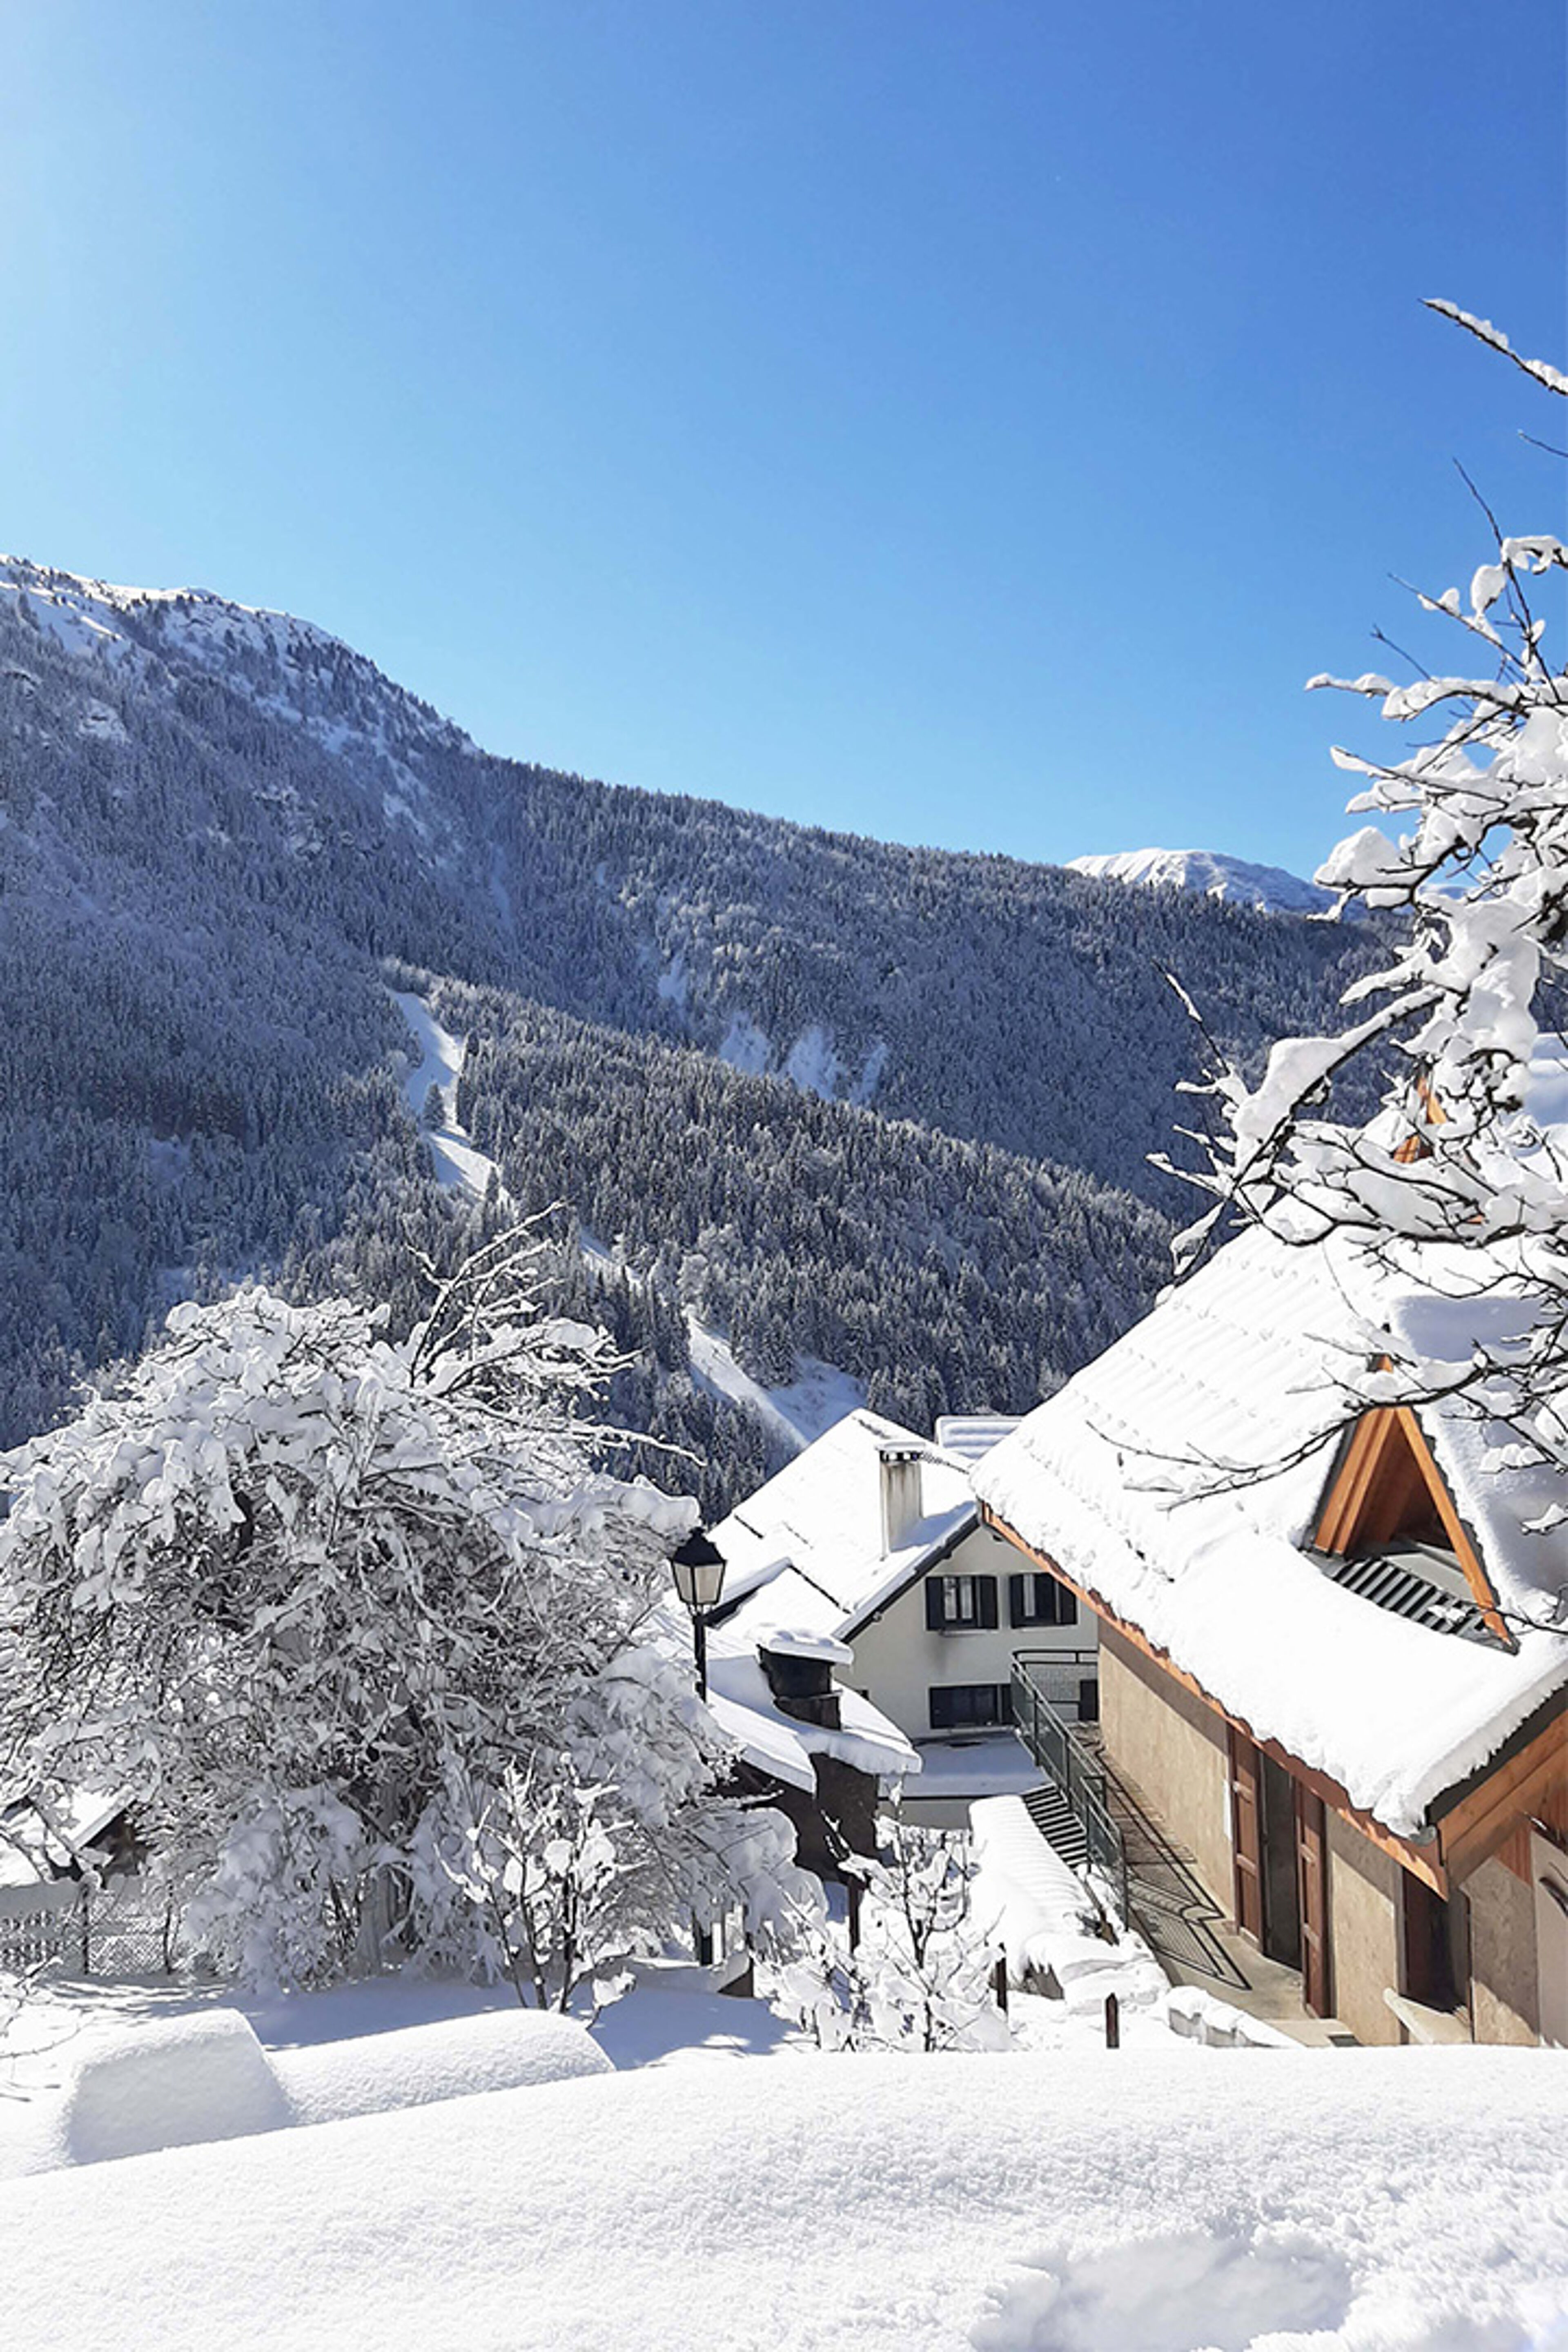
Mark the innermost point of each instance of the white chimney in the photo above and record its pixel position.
(899, 1470)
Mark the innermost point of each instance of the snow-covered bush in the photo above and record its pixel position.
(920, 1976)
(318, 1603)
(584, 1853)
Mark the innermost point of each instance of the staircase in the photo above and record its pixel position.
(1058, 1825)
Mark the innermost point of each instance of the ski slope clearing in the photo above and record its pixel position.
(814, 1402)
(440, 1062)
(1375, 2202)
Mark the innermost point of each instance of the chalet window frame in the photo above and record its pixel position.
(959, 1707)
(960, 1604)
(1060, 1605)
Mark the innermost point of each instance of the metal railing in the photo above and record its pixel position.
(1068, 1763)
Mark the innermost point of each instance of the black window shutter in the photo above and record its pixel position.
(1016, 1607)
(985, 1596)
(1068, 1605)
(934, 1619)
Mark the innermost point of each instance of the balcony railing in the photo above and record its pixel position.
(1047, 1688)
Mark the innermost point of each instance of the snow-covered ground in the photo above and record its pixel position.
(438, 1061)
(1282, 2202)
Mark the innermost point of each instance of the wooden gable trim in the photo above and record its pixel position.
(1424, 1861)
(1383, 1432)
(1528, 1778)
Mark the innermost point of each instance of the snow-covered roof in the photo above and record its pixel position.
(741, 1704)
(1178, 1477)
(805, 1551)
(35, 1846)
(967, 1435)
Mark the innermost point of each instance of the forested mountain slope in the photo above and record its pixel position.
(215, 825)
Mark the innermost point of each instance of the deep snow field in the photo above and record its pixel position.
(1072, 2201)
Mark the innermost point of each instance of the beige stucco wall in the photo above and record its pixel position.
(1173, 1748)
(1364, 1929)
(1503, 1985)
(897, 1659)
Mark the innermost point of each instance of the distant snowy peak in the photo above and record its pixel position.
(1267, 888)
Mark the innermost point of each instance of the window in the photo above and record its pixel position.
(1040, 1600)
(966, 1706)
(956, 1604)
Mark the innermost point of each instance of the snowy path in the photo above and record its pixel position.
(799, 1414)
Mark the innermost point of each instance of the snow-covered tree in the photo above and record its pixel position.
(919, 1978)
(318, 1602)
(1460, 1157)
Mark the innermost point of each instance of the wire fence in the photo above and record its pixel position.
(110, 1932)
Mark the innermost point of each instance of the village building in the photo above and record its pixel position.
(822, 1754)
(872, 1539)
(1333, 1636)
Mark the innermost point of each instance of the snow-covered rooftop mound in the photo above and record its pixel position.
(806, 1550)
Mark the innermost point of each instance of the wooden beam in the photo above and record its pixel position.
(1534, 1781)
(1423, 1862)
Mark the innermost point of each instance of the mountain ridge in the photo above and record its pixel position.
(221, 828)
(1269, 890)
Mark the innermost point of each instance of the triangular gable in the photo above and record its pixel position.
(1388, 1484)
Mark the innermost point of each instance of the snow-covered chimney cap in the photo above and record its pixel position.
(791, 1643)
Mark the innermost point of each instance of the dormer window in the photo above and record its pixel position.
(1420, 1581)
(1389, 1532)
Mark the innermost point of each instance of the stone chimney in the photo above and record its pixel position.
(899, 1473)
(799, 1668)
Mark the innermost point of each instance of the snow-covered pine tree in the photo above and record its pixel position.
(317, 1602)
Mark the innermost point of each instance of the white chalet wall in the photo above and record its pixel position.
(898, 1661)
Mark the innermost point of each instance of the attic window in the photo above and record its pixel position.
(1417, 1581)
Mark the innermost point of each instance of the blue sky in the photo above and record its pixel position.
(964, 422)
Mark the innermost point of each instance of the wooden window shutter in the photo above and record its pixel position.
(934, 1618)
(1017, 1606)
(985, 1600)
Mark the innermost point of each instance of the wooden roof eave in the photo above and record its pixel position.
(1422, 1857)
(1475, 1818)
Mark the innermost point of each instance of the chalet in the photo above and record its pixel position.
(1334, 1636)
(872, 1539)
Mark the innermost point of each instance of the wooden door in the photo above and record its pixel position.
(1246, 1833)
(1313, 1881)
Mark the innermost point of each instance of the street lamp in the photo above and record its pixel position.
(697, 1568)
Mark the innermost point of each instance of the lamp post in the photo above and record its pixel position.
(697, 1568)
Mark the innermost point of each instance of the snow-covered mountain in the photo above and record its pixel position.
(221, 828)
(1268, 888)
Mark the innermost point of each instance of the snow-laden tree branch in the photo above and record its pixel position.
(320, 1603)
(1461, 1156)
